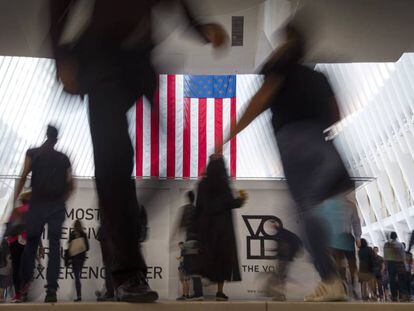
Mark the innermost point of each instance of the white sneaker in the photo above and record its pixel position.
(329, 291)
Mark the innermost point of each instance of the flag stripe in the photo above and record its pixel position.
(139, 136)
(226, 127)
(218, 124)
(194, 138)
(179, 107)
(233, 142)
(171, 126)
(210, 127)
(155, 115)
(163, 126)
(146, 142)
(202, 135)
(187, 138)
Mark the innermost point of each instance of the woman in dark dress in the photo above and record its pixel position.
(218, 249)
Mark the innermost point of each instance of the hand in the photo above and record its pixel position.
(67, 72)
(215, 34)
(243, 195)
(41, 252)
(358, 243)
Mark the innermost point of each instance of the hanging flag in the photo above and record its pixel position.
(190, 117)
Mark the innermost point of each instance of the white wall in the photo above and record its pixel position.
(163, 200)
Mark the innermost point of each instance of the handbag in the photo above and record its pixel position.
(77, 246)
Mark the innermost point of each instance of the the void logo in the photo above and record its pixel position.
(260, 242)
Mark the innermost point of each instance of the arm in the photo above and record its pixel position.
(356, 225)
(258, 103)
(58, 13)
(70, 181)
(26, 170)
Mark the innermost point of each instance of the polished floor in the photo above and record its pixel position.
(212, 306)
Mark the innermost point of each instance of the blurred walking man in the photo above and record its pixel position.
(109, 59)
(303, 106)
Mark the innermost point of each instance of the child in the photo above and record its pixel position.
(6, 270)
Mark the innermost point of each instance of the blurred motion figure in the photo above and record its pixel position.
(109, 59)
(303, 106)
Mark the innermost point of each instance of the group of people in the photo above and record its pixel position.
(386, 278)
(22, 243)
(109, 59)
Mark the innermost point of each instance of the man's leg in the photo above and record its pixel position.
(54, 222)
(392, 273)
(113, 155)
(35, 223)
(339, 256)
(16, 251)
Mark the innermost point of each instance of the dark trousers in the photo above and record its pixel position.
(16, 252)
(197, 286)
(77, 265)
(314, 172)
(114, 162)
(397, 276)
(380, 288)
(40, 214)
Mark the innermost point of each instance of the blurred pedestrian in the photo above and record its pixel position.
(78, 247)
(379, 269)
(6, 270)
(288, 245)
(366, 274)
(191, 259)
(182, 274)
(394, 256)
(304, 107)
(110, 60)
(52, 184)
(218, 248)
(408, 268)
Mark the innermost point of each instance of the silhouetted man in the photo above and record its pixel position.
(109, 59)
(52, 184)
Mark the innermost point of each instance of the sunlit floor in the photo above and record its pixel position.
(213, 306)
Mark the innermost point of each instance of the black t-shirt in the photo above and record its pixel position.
(305, 96)
(43, 158)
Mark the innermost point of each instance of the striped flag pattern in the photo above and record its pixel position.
(190, 116)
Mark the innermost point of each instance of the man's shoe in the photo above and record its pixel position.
(135, 289)
(329, 291)
(195, 298)
(51, 296)
(105, 297)
(221, 297)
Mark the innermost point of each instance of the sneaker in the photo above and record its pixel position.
(17, 298)
(51, 296)
(221, 297)
(195, 298)
(182, 298)
(135, 289)
(79, 299)
(105, 297)
(328, 291)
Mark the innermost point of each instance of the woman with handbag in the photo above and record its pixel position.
(78, 247)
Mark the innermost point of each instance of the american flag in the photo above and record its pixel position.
(190, 116)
